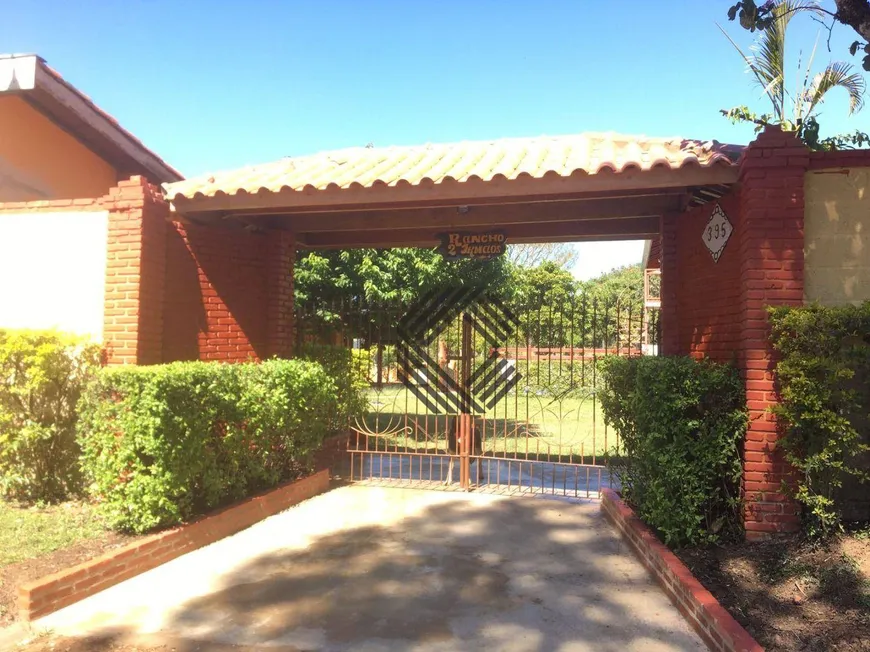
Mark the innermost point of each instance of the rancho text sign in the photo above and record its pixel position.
(464, 244)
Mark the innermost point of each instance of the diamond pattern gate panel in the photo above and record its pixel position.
(464, 390)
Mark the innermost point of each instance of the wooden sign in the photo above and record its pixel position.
(456, 245)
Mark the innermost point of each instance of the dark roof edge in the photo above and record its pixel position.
(70, 108)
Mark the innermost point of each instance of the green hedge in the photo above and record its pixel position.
(681, 423)
(823, 374)
(162, 444)
(42, 374)
(350, 370)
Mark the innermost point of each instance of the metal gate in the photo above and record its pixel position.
(471, 392)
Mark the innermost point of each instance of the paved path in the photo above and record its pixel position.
(499, 474)
(373, 568)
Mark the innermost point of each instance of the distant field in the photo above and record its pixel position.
(522, 424)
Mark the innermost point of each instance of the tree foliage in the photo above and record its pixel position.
(796, 109)
(563, 254)
(548, 282)
(387, 275)
(681, 423)
(851, 13)
(42, 375)
(162, 444)
(346, 293)
(823, 373)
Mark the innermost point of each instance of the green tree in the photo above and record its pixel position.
(388, 275)
(851, 13)
(564, 254)
(362, 293)
(548, 282)
(543, 298)
(796, 109)
(615, 306)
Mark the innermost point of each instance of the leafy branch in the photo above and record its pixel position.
(794, 109)
(851, 13)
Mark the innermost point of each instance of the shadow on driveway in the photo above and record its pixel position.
(456, 572)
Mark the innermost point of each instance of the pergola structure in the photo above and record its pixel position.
(206, 271)
(586, 187)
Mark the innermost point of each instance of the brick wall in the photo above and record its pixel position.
(842, 159)
(700, 609)
(135, 273)
(718, 310)
(186, 292)
(670, 286)
(216, 303)
(52, 592)
(707, 293)
(772, 268)
(280, 335)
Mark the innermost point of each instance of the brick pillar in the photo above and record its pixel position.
(772, 269)
(135, 272)
(281, 253)
(669, 316)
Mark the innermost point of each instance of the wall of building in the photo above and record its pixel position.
(39, 160)
(52, 269)
(215, 304)
(704, 295)
(186, 292)
(837, 235)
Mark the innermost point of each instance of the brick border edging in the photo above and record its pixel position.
(53, 592)
(702, 611)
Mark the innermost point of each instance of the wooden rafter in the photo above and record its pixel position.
(468, 217)
(602, 229)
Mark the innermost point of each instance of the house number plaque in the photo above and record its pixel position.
(717, 232)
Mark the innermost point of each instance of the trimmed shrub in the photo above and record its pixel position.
(350, 370)
(823, 374)
(162, 444)
(42, 375)
(681, 424)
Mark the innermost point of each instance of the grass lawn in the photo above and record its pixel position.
(523, 424)
(28, 532)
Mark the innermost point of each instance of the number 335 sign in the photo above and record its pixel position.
(717, 232)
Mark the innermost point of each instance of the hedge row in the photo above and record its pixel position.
(350, 370)
(42, 375)
(158, 445)
(823, 372)
(681, 424)
(161, 444)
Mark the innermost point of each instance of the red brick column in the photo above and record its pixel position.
(135, 273)
(772, 269)
(281, 252)
(669, 312)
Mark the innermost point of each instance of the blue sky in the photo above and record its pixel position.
(220, 84)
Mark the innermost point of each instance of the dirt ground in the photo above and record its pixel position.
(14, 575)
(793, 596)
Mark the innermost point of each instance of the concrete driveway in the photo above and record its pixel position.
(374, 568)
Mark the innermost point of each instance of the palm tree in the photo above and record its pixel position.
(793, 111)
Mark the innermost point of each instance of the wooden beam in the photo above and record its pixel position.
(481, 201)
(637, 228)
(472, 217)
(473, 191)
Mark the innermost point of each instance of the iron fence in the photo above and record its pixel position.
(480, 393)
